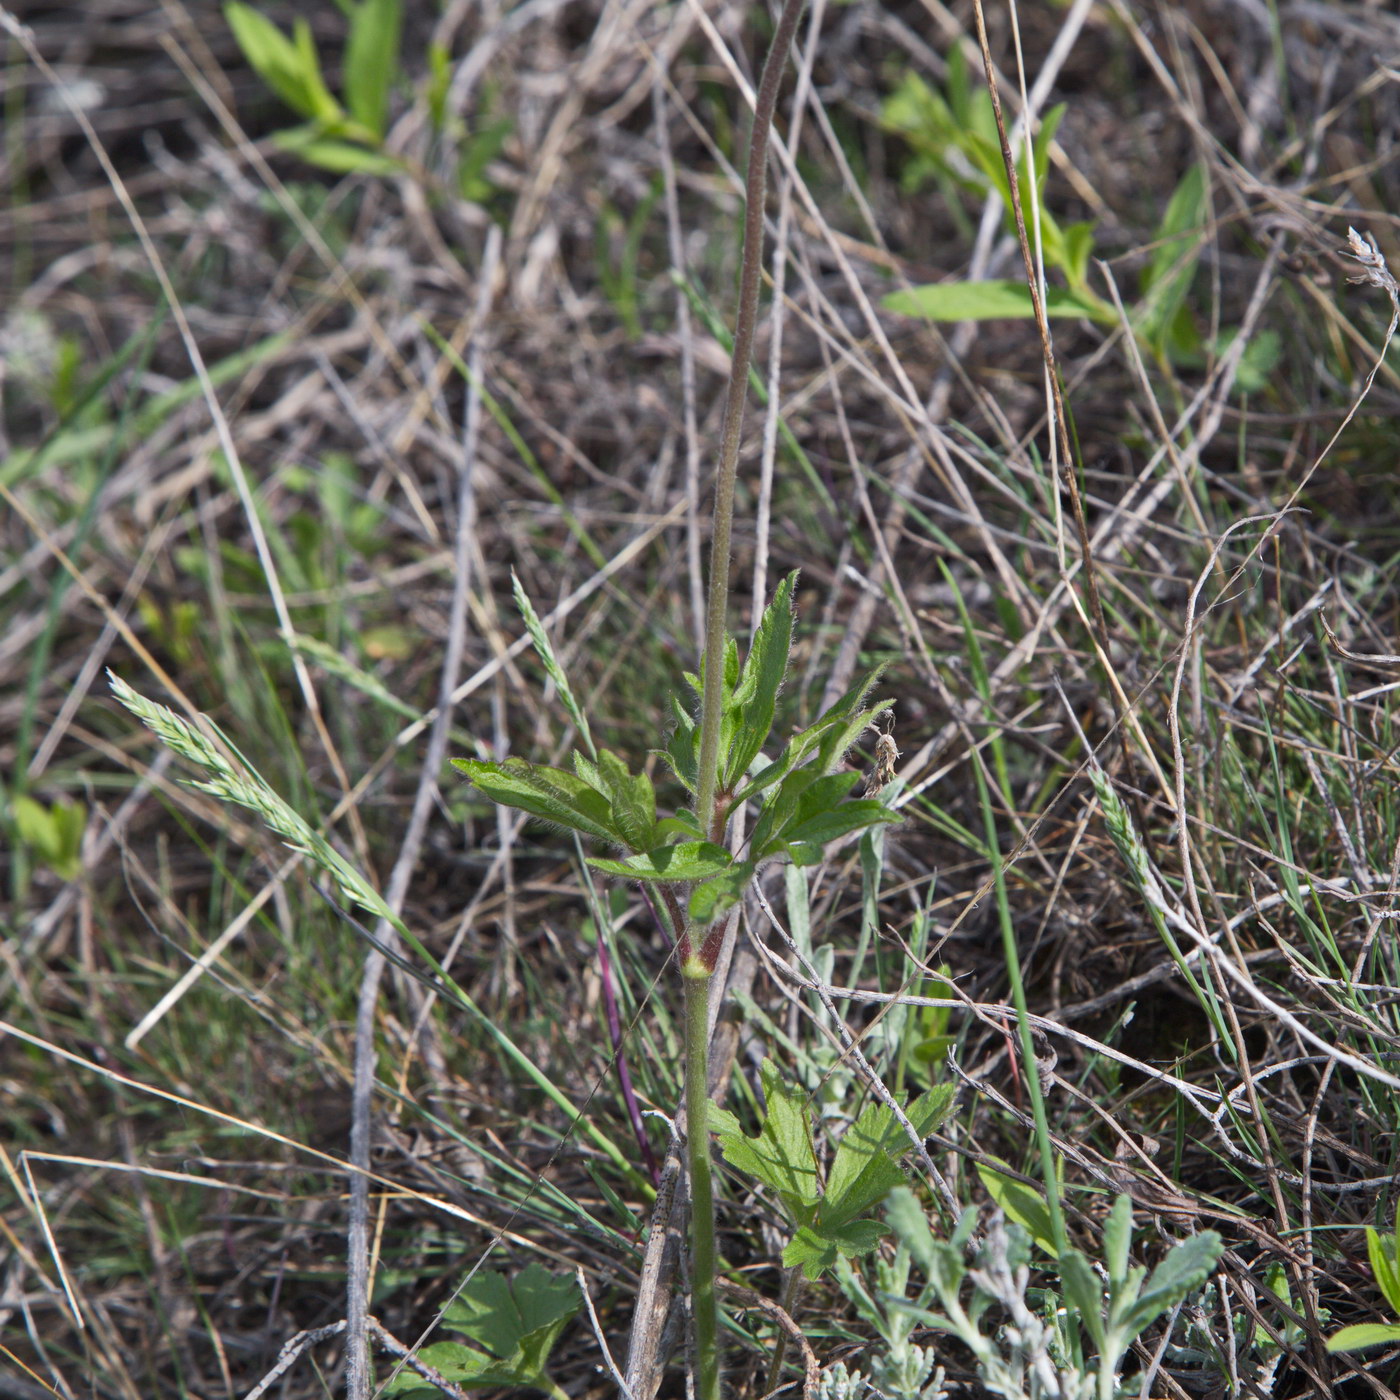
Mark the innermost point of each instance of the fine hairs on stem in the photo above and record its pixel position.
(698, 956)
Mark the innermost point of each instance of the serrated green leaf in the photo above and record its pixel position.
(1023, 1204)
(1083, 1293)
(836, 740)
(1363, 1335)
(548, 793)
(997, 299)
(715, 897)
(544, 648)
(756, 694)
(817, 1248)
(864, 1170)
(690, 860)
(797, 750)
(866, 1165)
(781, 1155)
(682, 752)
(372, 62)
(1185, 1269)
(822, 828)
(633, 801)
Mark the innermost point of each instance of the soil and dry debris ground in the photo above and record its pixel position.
(274, 438)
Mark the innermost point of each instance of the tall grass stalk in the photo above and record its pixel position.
(700, 948)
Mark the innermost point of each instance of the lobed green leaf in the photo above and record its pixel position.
(866, 1165)
(781, 1155)
(818, 1247)
(516, 1318)
(460, 1364)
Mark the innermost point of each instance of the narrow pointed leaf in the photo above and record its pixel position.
(323, 107)
(1384, 1266)
(1363, 1335)
(372, 62)
(836, 740)
(1167, 278)
(1118, 1239)
(997, 299)
(798, 749)
(1083, 1293)
(274, 57)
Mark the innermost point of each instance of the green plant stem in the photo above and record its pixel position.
(792, 1294)
(698, 980)
(750, 269)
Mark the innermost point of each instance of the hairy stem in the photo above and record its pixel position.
(749, 272)
(702, 1199)
(698, 952)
